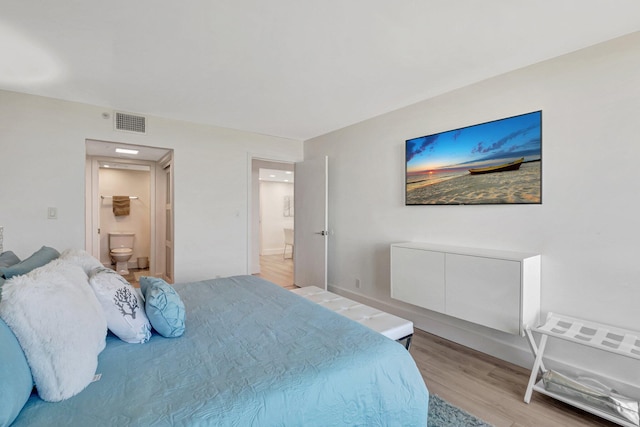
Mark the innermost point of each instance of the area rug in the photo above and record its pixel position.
(444, 414)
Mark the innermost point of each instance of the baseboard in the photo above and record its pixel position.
(482, 339)
(456, 330)
(130, 264)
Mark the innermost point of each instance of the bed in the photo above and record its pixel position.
(252, 353)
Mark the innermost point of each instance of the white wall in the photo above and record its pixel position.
(121, 182)
(273, 221)
(586, 229)
(42, 146)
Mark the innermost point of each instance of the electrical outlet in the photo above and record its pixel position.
(52, 213)
(357, 283)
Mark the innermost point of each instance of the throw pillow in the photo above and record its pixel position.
(81, 258)
(60, 326)
(8, 258)
(122, 306)
(15, 376)
(164, 307)
(39, 258)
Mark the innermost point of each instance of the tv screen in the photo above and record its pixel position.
(498, 162)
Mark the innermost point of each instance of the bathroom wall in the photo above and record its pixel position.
(120, 182)
(272, 195)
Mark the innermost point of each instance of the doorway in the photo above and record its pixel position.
(146, 177)
(272, 220)
(131, 216)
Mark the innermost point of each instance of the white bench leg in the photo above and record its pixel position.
(407, 341)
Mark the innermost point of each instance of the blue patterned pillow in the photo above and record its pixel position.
(15, 376)
(163, 306)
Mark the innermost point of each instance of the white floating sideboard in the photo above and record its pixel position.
(496, 289)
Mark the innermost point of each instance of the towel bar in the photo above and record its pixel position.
(109, 197)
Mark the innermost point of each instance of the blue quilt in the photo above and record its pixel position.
(253, 354)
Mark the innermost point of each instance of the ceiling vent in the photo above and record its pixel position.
(130, 123)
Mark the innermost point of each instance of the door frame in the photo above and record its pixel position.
(165, 234)
(250, 198)
(92, 220)
(92, 205)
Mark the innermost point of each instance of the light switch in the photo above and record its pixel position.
(52, 213)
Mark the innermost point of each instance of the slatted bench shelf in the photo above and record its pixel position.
(611, 339)
(387, 324)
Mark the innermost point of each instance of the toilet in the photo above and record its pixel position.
(121, 249)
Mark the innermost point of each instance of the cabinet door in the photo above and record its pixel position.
(417, 277)
(485, 291)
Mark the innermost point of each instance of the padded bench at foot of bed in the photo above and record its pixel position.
(387, 324)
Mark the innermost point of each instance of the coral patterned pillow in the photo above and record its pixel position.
(122, 305)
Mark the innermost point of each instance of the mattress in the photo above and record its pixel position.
(252, 354)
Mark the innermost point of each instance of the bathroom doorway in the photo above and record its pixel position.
(125, 207)
(146, 187)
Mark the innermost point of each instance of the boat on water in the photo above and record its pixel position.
(511, 166)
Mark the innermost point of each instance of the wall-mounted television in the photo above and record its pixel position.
(497, 162)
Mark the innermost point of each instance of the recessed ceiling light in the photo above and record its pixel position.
(288, 172)
(126, 151)
(272, 176)
(286, 180)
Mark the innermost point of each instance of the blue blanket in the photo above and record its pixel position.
(252, 354)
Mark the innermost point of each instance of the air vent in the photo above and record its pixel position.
(130, 123)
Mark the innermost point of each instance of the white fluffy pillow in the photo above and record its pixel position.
(81, 258)
(122, 305)
(60, 326)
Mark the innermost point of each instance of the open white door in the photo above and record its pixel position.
(311, 223)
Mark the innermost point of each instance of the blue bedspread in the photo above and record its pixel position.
(252, 354)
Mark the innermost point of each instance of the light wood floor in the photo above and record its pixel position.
(134, 276)
(489, 388)
(278, 270)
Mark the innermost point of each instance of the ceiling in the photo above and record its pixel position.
(291, 68)
(107, 149)
(276, 175)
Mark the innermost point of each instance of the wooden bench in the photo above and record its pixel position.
(390, 326)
